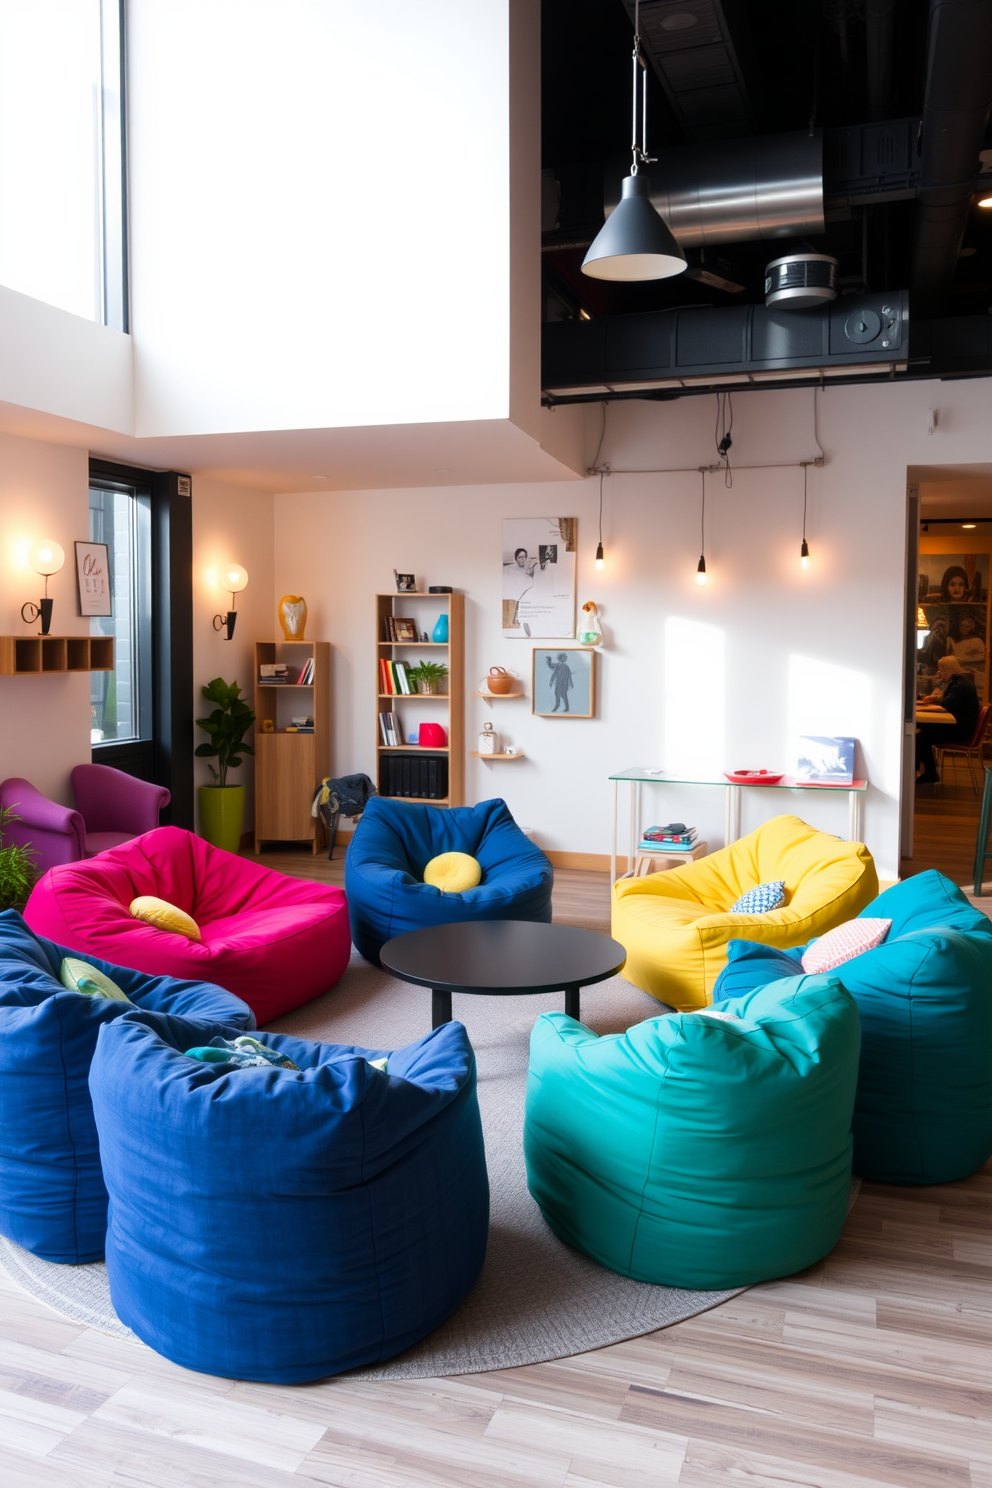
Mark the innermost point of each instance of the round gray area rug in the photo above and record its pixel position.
(537, 1299)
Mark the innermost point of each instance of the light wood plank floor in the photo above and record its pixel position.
(873, 1368)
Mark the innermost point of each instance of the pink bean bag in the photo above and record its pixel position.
(275, 942)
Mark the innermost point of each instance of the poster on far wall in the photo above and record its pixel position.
(954, 578)
(539, 577)
(953, 630)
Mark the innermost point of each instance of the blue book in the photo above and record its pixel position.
(825, 760)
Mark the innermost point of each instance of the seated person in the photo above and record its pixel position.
(959, 697)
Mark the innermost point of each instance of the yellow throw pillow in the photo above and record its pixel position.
(164, 916)
(453, 873)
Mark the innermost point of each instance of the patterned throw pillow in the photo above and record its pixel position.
(760, 900)
(844, 943)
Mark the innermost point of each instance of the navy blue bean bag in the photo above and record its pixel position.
(924, 1104)
(281, 1225)
(52, 1197)
(393, 844)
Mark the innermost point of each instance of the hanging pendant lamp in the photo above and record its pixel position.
(635, 243)
(701, 579)
(804, 550)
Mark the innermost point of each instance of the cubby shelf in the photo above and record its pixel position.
(25, 656)
(450, 704)
(289, 766)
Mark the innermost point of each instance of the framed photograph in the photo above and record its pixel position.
(93, 578)
(405, 583)
(538, 587)
(564, 682)
(405, 630)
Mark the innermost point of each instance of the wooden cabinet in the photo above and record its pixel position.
(447, 707)
(290, 765)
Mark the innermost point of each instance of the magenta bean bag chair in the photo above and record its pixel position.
(275, 942)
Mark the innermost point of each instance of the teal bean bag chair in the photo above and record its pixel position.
(709, 1149)
(924, 1107)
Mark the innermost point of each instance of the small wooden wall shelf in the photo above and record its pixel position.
(290, 766)
(425, 609)
(34, 655)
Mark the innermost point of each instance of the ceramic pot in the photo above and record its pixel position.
(499, 681)
(222, 813)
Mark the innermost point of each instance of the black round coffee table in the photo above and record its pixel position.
(502, 958)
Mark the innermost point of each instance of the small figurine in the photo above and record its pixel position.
(488, 741)
(589, 632)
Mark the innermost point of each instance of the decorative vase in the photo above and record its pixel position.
(440, 632)
(293, 616)
(222, 812)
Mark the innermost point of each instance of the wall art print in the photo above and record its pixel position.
(93, 578)
(564, 682)
(539, 577)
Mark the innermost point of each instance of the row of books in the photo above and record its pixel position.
(423, 775)
(306, 676)
(394, 677)
(273, 673)
(391, 729)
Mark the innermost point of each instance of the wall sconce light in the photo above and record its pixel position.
(235, 578)
(45, 557)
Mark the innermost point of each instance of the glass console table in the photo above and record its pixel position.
(635, 778)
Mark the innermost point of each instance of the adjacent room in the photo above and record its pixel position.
(495, 743)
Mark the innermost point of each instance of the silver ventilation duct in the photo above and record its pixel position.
(801, 281)
(765, 186)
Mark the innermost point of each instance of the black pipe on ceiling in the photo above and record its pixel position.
(880, 42)
(956, 108)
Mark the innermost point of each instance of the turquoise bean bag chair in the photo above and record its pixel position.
(709, 1149)
(924, 1108)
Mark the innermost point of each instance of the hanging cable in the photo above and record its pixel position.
(722, 434)
(600, 558)
(701, 566)
(816, 424)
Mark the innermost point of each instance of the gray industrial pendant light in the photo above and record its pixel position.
(634, 241)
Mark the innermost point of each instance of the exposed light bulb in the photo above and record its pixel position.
(600, 560)
(701, 572)
(804, 555)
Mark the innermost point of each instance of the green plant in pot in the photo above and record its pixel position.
(18, 866)
(222, 806)
(428, 675)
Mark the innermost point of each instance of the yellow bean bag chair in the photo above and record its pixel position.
(675, 925)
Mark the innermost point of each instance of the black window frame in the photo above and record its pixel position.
(167, 757)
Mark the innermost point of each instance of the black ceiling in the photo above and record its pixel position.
(794, 60)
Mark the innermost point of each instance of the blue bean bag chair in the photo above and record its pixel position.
(52, 1197)
(708, 1149)
(924, 1107)
(393, 844)
(280, 1225)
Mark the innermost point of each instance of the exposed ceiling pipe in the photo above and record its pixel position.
(956, 107)
(762, 186)
(880, 38)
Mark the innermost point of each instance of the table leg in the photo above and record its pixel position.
(613, 841)
(855, 830)
(572, 1003)
(440, 1008)
(635, 808)
(732, 814)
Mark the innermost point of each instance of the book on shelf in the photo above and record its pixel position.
(661, 835)
(306, 676)
(825, 760)
(390, 628)
(652, 845)
(272, 673)
(418, 774)
(391, 730)
(385, 676)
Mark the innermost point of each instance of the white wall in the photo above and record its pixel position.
(321, 234)
(44, 720)
(701, 679)
(230, 525)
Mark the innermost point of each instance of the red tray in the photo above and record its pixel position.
(753, 777)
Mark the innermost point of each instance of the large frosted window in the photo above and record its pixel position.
(61, 155)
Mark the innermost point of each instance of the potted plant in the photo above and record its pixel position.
(426, 676)
(18, 869)
(222, 806)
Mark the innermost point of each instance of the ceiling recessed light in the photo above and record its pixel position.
(986, 201)
(967, 252)
(680, 21)
(968, 526)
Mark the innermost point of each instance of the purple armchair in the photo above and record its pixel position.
(112, 807)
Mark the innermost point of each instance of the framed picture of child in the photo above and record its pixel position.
(564, 682)
(954, 578)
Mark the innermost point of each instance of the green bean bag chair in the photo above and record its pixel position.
(709, 1149)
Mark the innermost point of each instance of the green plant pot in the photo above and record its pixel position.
(222, 812)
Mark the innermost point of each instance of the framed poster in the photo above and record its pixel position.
(93, 578)
(564, 682)
(539, 577)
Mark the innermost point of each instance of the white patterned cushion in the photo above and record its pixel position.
(760, 900)
(844, 943)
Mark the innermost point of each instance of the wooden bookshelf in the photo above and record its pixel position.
(448, 707)
(289, 766)
(36, 655)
